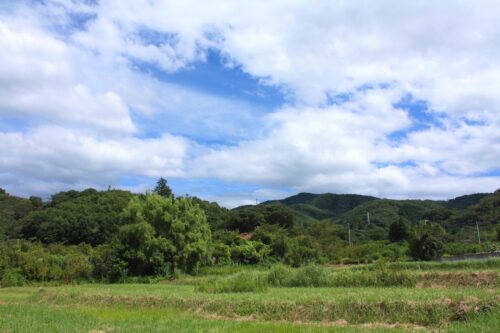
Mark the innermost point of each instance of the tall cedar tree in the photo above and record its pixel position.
(162, 188)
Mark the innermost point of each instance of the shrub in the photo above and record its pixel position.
(427, 247)
(12, 278)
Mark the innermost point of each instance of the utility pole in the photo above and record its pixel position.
(256, 201)
(349, 231)
(368, 217)
(478, 235)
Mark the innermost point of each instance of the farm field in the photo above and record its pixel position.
(465, 301)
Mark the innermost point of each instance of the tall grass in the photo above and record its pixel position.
(225, 270)
(307, 276)
(354, 310)
(492, 263)
(314, 276)
(237, 283)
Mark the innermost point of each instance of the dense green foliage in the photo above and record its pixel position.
(74, 217)
(12, 209)
(398, 231)
(163, 234)
(115, 235)
(22, 261)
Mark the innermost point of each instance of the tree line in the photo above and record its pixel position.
(116, 235)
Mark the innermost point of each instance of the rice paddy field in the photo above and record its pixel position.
(429, 297)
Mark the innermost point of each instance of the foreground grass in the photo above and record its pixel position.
(217, 301)
(427, 307)
(370, 294)
(40, 318)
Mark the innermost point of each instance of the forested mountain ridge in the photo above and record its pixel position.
(370, 217)
(92, 216)
(349, 207)
(321, 206)
(464, 201)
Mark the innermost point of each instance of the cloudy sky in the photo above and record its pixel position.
(235, 101)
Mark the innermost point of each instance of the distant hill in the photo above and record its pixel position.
(308, 206)
(383, 212)
(353, 209)
(465, 201)
(486, 213)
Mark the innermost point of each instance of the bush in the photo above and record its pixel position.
(12, 278)
(426, 247)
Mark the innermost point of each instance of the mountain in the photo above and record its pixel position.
(383, 212)
(353, 208)
(370, 217)
(486, 213)
(308, 207)
(465, 201)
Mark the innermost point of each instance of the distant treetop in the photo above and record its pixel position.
(162, 188)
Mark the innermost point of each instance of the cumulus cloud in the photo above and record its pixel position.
(56, 154)
(70, 67)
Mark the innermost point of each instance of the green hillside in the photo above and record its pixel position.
(383, 212)
(342, 209)
(486, 213)
(309, 207)
(465, 201)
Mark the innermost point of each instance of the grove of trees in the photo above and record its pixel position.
(117, 235)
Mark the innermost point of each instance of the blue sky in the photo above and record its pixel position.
(341, 97)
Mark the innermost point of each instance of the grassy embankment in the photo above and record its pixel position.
(456, 298)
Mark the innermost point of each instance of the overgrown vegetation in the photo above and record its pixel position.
(113, 236)
(237, 283)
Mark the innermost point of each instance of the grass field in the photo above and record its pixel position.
(181, 306)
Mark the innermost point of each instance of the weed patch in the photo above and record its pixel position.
(315, 276)
(237, 283)
(356, 311)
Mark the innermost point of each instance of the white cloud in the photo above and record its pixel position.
(59, 155)
(83, 83)
(309, 142)
(37, 80)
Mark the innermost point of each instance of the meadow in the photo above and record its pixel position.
(458, 297)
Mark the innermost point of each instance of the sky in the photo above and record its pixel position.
(244, 101)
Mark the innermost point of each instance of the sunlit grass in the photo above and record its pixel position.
(177, 307)
(41, 318)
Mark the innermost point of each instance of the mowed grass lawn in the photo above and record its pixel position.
(99, 308)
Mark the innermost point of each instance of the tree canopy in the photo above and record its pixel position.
(164, 233)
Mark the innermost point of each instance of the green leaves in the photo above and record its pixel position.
(164, 232)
